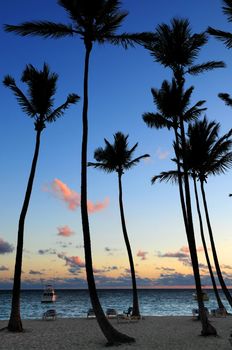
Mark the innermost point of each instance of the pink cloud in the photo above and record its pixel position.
(142, 255)
(64, 231)
(92, 208)
(185, 249)
(72, 198)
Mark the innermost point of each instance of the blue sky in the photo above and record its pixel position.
(120, 83)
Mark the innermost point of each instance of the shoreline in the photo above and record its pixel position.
(153, 332)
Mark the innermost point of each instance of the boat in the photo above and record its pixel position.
(205, 296)
(49, 295)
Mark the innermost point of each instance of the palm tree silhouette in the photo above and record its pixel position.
(225, 37)
(175, 46)
(38, 106)
(92, 21)
(210, 155)
(117, 157)
(195, 149)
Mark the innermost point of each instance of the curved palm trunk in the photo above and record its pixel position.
(111, 334)
(15, 323)
(207, 328)
(135, 311)
(220, 304)
(217, 266)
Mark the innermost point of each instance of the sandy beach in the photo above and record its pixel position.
(176, 333)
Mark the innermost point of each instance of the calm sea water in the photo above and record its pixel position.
(75, 303)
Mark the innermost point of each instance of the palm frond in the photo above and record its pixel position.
(59, 111)
(225, 37)
(46, 29)
(201, 68)
(21, 98)
(135, 161)
(226, 98)
(194, 112)
(127, 39)
(156, 120)
(227, 9)
(166, 176)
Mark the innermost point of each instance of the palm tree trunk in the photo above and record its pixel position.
(220, 304)
(207, 328)
(15, 323)
(135, 311)
(111, 334)
(216, 262)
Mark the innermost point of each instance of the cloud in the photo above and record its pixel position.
(142, 255)
(4, 268)
(110, 250)
(74, 263)
(72, 198)
(46, 251)
(5, 247)
(178, 254)
(64, 231)
(161, 154)
(33, 272)
(168, 269)
(229, 267)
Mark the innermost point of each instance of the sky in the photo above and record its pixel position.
(119, 93)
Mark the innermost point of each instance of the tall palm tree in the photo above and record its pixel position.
(94, 22)
(210, 155)
(38, 106)
(172, 176)
(117, 157)
(175, 46)
(225, 37)
(172, 102)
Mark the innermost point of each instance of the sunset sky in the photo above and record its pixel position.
(119, 93)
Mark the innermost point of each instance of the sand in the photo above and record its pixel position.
(176, 333)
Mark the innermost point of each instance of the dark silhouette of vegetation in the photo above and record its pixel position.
(210, 155)
(93, 22)
(174, 46)
(225, 37)
(38, 106)
(117, 157)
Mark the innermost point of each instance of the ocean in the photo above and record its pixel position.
(73, 303)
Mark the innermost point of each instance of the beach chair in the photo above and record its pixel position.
(91, 314)
(218, 312)
(50, 314)
(196, 315)
(111, 313)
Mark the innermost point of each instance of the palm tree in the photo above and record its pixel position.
(93, 22)
(172, 176)
(38, 106)
(172, 101)
(176, 47)
(225, 37)
(210, 155)
(117, 158)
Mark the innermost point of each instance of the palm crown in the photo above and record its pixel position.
(172, 102)
(93, 21)
(209, 154)
(117, 156)
(41, 89)
(176, 47)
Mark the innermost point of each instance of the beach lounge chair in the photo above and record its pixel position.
(196, 315)
(218, 312)
(49, 314)
(111, 313)
(91, 314)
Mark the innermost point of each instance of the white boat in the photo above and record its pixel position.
(205, 296)
(49, 295)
